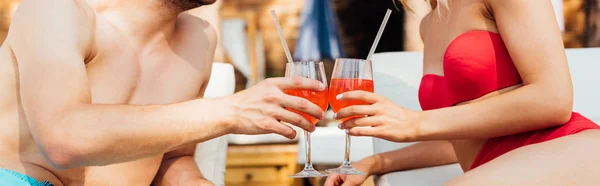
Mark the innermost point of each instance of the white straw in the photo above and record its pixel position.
(385, 20)
(283, 42)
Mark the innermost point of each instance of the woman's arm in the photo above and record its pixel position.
(530, 32)
(419, 155)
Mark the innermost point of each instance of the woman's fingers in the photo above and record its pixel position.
(350, 184)
(364, 131)
(333, 180)
(360, 122)
(359, 95)
(356, 110)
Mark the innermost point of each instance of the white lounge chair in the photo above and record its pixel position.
(211, 155)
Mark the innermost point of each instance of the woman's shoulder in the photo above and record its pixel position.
(425, 25)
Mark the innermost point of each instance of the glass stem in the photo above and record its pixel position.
(308, 165)
(347, 155)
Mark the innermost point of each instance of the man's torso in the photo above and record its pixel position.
(118, 73)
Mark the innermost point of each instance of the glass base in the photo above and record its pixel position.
(309, 173)
(346, 170)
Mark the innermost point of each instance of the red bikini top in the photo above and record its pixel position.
(475, 64)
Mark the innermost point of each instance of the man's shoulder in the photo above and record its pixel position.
(40, 15)
(61, 21)
(197, 32)
(195, 24)
(49, 8)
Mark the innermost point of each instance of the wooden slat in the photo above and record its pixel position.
(263, 175)
(274, 148)
(252, 26)
(261, 165)
(592, 38)
(260, 160)
(575, 18)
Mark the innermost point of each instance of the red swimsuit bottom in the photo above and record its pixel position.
(477, 63)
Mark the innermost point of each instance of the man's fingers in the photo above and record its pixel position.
(288, 83)
(293, 118)
(360, 122)
(358, 95)
(356, 110)
(281, 129)
(302, 105)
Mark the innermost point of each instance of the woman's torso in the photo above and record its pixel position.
(439, 29)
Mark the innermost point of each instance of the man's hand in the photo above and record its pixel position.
(260, 109)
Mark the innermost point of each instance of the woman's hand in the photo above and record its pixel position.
(383, 119)
(345, 180)
(364, 165)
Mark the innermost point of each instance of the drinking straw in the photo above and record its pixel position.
(283, 42)
(381, 28)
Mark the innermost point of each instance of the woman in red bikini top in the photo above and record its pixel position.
(497, 86)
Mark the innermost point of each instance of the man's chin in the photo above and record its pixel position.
(205, 2)
(185, 5)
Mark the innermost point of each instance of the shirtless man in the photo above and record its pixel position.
(104, 92)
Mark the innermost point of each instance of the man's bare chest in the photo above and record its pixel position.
(124, 72)
(121, 81)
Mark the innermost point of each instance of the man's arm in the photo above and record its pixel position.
(178, 166)
(51, 41)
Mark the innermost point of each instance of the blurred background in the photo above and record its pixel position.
(320, 30)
